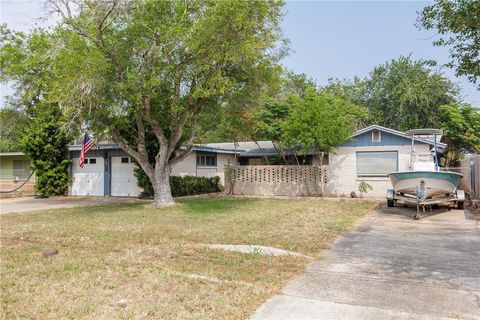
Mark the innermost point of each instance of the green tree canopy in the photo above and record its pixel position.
(320, 121)
(127, 67)
(45, 143)
(461, 128)
(458, 24)
(401, 94)
(38, 127)
(11, 124)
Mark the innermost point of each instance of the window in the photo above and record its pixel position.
(376, 164)
(90, 160)
(206, 159)
(21, 169)
(376, 136)
(124, 160)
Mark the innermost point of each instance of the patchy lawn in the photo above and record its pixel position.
(132, 261)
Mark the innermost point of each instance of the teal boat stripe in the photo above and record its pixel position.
(452, 177)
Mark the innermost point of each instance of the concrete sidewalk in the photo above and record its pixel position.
(23, 204)
(391, 267)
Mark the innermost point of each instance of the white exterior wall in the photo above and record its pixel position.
(342, 170)
(188, 167)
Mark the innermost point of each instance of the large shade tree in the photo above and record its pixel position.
(11, 123)
(457, 26)
(320, 121)
(461, 128)
(400, 94)
(125, 68)
(33, 120)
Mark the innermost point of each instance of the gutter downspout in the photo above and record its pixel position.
(411, 152)
(435, 148)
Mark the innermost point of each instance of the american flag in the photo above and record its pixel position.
(87, 145)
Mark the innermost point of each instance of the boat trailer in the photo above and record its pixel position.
(421, 201)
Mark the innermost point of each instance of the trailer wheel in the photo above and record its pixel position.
(460, 205)
(390, 203)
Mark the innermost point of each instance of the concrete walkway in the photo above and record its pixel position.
(23, 204)
(391, 267)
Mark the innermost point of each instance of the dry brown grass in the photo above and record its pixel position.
(130, 261)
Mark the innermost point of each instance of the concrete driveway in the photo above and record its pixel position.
(391, 267)
(23, 204)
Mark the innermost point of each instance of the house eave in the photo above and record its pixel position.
(12, 153)
(397, 133)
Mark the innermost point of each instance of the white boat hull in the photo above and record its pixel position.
(432, 187)
(435, 183)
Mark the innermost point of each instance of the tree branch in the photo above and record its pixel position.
(141, 136)
(141, 159)
(157, 129)
(180, 156)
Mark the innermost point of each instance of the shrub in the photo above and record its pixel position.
(45, 142)
(185, 186)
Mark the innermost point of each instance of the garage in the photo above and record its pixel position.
(123, 180)
(88, 180)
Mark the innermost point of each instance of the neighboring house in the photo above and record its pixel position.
(14, 170)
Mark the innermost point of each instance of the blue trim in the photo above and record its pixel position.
(452, 177)
(107, 164)
(436, 154)
(394, 133)
(211, 149)
(387, 139)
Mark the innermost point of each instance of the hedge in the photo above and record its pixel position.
(188, 185)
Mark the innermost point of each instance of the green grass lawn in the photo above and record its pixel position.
(131, 261)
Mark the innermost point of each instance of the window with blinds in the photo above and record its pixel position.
(376, 163)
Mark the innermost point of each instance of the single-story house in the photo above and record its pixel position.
(14, 170)
(369, 156)
(109, 171)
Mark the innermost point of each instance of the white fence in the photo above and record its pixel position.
(296, 180)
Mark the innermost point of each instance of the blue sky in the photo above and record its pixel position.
(343, 39)
(327, 39)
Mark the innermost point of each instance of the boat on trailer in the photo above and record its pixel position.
(425, 185)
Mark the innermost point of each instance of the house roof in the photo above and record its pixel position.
(427, 140)
(96, 146)
(110, 146)
(266, 148)
(242, 146)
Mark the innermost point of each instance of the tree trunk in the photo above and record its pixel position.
(161, 187)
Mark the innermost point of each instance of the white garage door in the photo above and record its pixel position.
(89, 180)
(124, 182)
